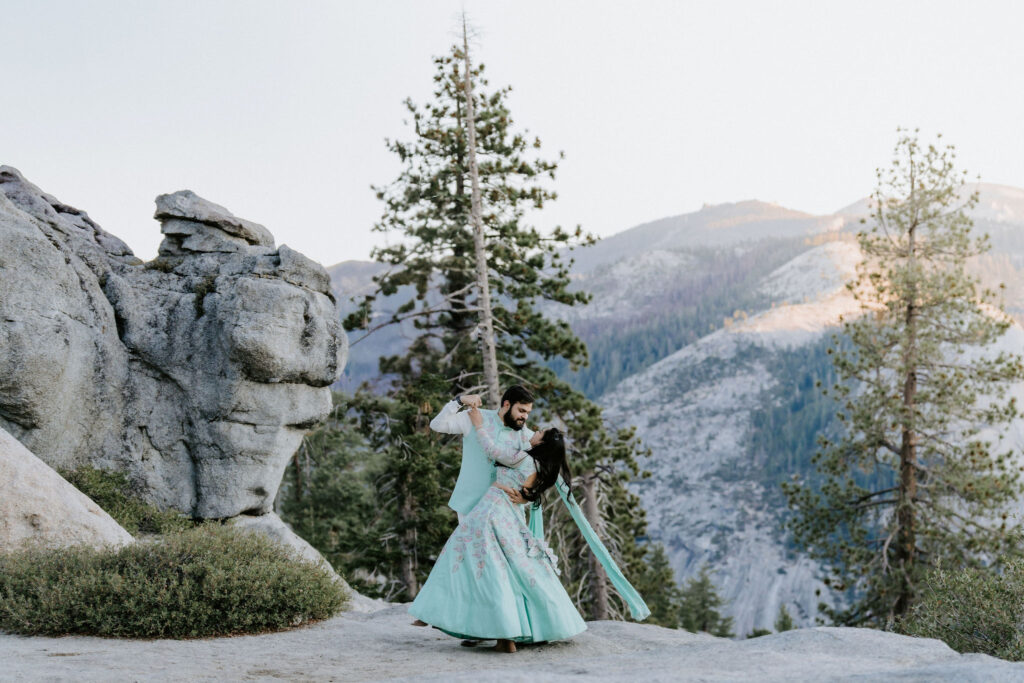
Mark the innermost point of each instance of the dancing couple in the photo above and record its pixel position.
(496, 578)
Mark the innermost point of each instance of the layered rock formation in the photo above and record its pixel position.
(197, 373)
(37, 505)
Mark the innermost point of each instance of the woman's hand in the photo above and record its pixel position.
(475, 416)
(512, 494)
(471, 400)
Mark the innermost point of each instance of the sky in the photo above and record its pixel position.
(279, 110)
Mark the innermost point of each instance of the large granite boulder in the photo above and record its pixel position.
(197, 373)
(38, 506)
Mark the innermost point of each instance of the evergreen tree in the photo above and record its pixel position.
(431, 255)
(658, 585)
(784, 622)
(368, 489)
(331, 466)
(914, 481)
(700, 605)
(430, 251)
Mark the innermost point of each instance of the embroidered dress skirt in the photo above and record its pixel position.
(495, 580)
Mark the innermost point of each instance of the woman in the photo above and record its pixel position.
(496, 579)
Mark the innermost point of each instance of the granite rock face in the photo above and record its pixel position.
(197, 373)
(383, 646)
(37, 505)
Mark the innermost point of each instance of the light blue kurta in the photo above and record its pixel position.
(477, 471)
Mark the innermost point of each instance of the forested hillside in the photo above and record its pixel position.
(669, 307)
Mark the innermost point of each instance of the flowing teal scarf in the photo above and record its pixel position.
(637, 607)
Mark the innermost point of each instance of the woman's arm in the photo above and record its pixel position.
(507, 455)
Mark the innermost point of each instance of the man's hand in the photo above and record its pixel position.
(513, 495)
(472, 401)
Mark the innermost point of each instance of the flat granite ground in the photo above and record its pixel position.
(383, 645)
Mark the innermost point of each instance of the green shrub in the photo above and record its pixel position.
(972, 610)
(207, 581)
(113, 492)
(161, 264)
(205, 286)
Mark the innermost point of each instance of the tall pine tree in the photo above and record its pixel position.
(431, 257)
(918, 478)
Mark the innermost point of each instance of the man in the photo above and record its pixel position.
(477, 473)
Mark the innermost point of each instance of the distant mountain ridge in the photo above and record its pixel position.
(727, 223)
(716, 225)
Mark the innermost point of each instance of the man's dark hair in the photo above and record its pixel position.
(516, 394)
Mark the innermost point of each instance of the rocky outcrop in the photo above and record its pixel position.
(197, 373)
(38, 506)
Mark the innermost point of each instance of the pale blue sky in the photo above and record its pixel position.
(278, 110)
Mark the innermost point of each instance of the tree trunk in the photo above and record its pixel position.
(462, 322)
(483, 286)
(906, 540)
(297, 484)
(408, 564)
(598, 579)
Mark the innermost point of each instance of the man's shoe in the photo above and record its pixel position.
(420, 623)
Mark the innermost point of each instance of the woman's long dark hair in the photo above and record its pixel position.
(549, 457)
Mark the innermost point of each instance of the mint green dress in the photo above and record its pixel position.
(496, 576)
(494, 579)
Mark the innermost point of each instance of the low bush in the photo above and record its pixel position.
(161, 264)
(114, 493)
(205, 581)
(972, 610)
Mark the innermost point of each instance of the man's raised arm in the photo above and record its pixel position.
(450, 420)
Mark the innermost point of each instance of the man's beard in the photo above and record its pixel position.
(511, 422)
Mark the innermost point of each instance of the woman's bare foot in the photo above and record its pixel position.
(505, 646)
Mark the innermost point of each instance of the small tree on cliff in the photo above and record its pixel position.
(699, 609)
(657, 584)
(915, 481)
